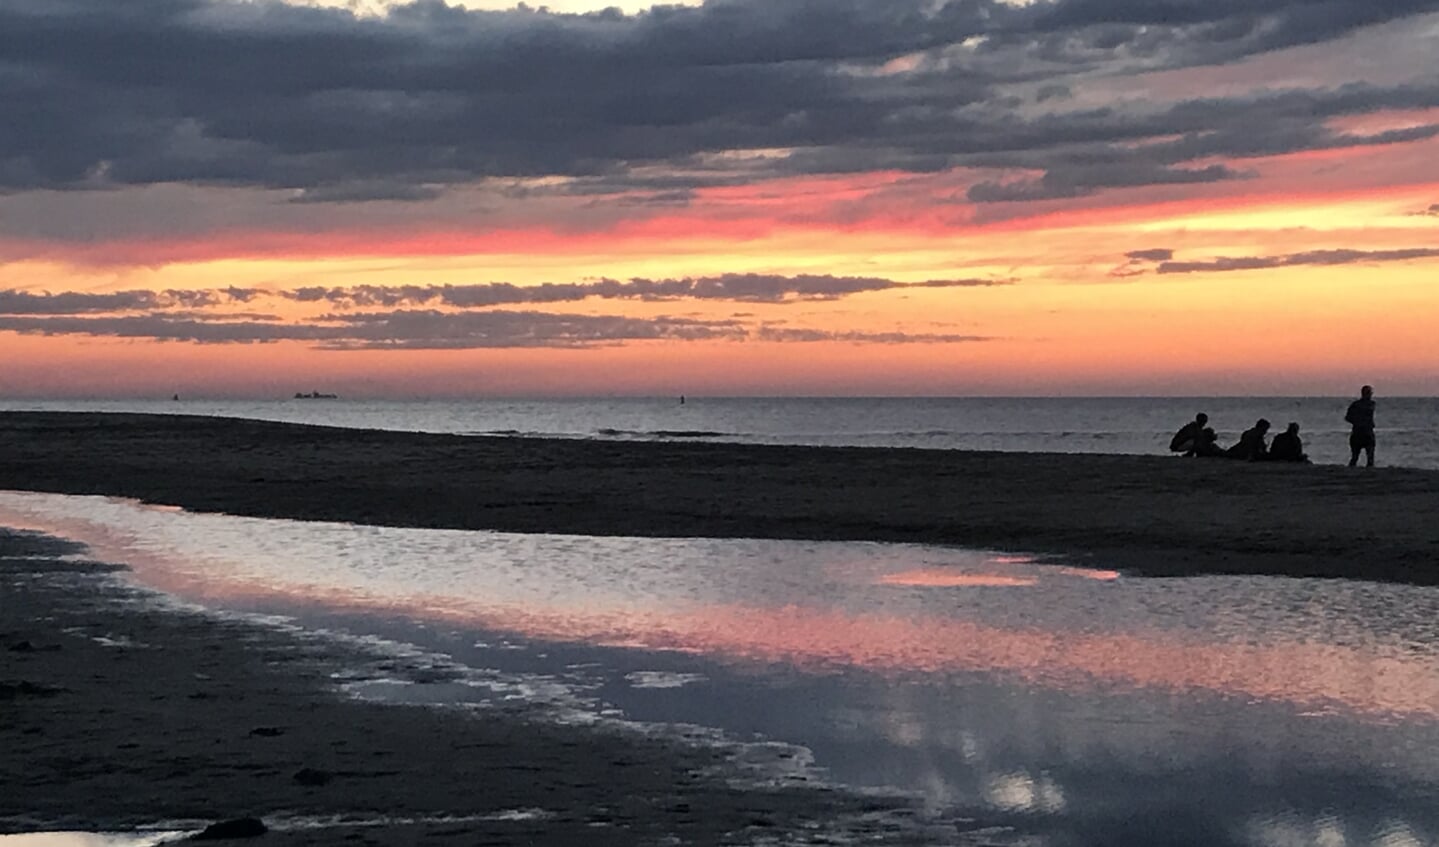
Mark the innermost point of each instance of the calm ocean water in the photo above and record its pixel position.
(1408, 426)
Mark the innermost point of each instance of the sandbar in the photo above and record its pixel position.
(1158, 515)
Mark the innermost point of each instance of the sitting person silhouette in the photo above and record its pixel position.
(1287, 446)
(1251, 446)
(1207, 445)
(1187, 437)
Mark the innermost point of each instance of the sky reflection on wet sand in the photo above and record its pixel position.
(817, 605)
(87, 839)
(981, 680)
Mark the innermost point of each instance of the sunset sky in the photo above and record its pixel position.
(817, 197)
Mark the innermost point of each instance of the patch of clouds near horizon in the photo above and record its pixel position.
(411, 329)
(1311, 257)
(16, 302)
(471, 316)
(751, 288)
(773, 289)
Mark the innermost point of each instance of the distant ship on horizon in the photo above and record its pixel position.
(315, 395)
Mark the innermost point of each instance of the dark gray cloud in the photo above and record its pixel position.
(1248, 26)
(167, 327)
(756, 288)
(1139, 262)
(1312, 257)
(14, 302)
(760, 288)
(99, 93)
(1079, 182)
(416, 329)
(1081, 152)
(365, 191)
(467, 316)
(412, 329)
(1053, 92)
(1431, 212)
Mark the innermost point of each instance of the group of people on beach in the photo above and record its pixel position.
(1197, 438)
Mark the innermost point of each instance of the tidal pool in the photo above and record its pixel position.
(90, 839)
(1065, 706)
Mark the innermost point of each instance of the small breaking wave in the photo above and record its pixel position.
(609, 432)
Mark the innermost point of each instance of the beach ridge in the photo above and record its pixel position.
(1160, 515)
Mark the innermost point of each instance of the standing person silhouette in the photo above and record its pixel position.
(1361, 417)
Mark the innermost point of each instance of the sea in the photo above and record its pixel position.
(1408, 432)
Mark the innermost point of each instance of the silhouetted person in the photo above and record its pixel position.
(1187, 437)
(1207, 446)
(1361, 417)
(1288, 446)
(1251, 445)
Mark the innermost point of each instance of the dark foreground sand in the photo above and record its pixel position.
(184, 716)
(1161, 515)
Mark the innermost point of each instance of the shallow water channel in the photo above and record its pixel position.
(1062, 706)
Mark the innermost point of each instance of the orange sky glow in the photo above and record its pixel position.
(1298, 269)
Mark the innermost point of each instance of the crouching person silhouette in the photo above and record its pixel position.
(1188, 436)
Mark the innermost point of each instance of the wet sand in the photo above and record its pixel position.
(116, 713)
(1158, 515)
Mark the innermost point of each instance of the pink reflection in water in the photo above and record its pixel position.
(1356, 679)
(939, 578)
(825, 639)
(1087, 573)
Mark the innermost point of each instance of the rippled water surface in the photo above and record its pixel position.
(1408, 426)
(1062, 706)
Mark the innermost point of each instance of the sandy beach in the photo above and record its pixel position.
(120, 713)
(1160, 515)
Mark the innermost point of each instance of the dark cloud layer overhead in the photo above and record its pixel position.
(340, 108)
